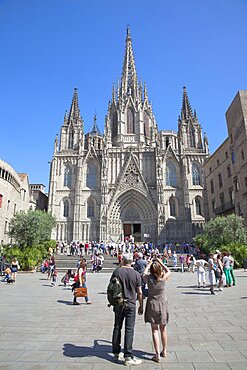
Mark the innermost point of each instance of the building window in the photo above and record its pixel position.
(68, 176)
(71, 138)
(130, 121)
(233, 157)
(90, 208)
(229, 174)
(242, 153)
(220, 180)
(66, 208)
(171, 174)
(236, 183)
(222, 201)
(8, 204)
(231, 195)
(192, 137)
(14, 209)
(218, 162)
(226, 155)
(198, 206)
(212, 186)
(213, 204)
(245, 179)
(210, 169)
(196, 174)
(6, 227)
(172, 204)
(1, 200)
(91, 175)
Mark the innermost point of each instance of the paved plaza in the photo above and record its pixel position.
(40, 329)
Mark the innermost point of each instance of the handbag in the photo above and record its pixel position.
(80, 292)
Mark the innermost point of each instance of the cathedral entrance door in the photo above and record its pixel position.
(134, 230)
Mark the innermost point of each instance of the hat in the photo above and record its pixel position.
(140, 255)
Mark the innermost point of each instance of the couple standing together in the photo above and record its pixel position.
(156, 311)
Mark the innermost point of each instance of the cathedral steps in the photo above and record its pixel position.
(64, 262)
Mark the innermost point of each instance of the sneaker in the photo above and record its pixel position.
(220, 289)
(89, 302)
(118, 356)
(76, 303)
(132, 361)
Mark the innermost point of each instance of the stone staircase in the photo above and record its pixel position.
(64, 262)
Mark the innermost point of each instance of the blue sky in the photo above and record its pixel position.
(48, 47)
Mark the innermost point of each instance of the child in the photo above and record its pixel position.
(65, 279)
(54, 276)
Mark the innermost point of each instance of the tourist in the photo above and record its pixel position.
(232, 268)
(131, 281)
(182, 260)
(175, 260)
(211, 273)
(201, 278)
(54, 276)
(80, 281)
(156, 312)
(140, 265)
(51, 266)
(7, 276)
(14, 268)
(219, 272)
(226, 267)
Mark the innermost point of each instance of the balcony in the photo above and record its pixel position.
(225, 208)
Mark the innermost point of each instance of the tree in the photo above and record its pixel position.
(221, 232)
(31, 228)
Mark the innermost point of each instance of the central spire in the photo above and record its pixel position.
(129, 83)
(186, 111)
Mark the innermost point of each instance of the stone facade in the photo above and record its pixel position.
(226, 169)
(133, 179)
(39, 197)
(14, 197)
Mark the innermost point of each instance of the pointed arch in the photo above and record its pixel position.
(196, 174)
(66, 208)
(91, 207)
(67, 176)
(92, 175)
(173, 207)
(192, 139)
(130, 121)
(171, 174)
(198, 206)
(71, 138)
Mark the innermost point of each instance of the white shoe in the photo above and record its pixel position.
(132, 361)
(118, 356)
(220, 289)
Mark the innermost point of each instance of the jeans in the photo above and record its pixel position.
(129, 314)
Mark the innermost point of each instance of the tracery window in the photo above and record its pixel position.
(130, 121)
(91, 175)
(68, 176)
(192, 137)
(71, 138)
(171, 174)
(66, 208)
(90, 208)
(196, 174)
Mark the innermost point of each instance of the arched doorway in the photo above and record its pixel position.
(133, 214)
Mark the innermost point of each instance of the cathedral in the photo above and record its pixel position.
(133, 179)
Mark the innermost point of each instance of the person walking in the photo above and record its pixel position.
(211, 273)
(156, 312)
(14, 268)
(232, 268)
(131, 283)
(226, 267)
(201, 279)
(80, 281)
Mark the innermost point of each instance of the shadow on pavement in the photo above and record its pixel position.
(187, 286)
(204, 293)
(98, 349)
(68, 303)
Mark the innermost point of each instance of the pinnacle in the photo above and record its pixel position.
(186, 110)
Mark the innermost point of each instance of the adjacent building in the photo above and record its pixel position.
(132, 179)
(226, 169)
(14, 197)
(39, 197)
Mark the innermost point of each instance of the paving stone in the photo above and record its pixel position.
(192, 356)
(206, 346)
(227, 356)
(211, 366)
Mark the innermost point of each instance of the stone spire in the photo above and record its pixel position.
(95, 130)
(186, 111)
(129, 82)
(74, 109)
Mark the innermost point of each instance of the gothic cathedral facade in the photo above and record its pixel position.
(132, 179)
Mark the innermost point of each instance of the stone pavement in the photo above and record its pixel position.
(39, 328)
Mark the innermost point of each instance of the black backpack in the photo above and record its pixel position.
(115, 294)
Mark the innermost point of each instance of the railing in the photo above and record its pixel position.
(225, 207)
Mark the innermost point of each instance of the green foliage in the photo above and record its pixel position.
(225, 234)
(31, 228)
(28, 257)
